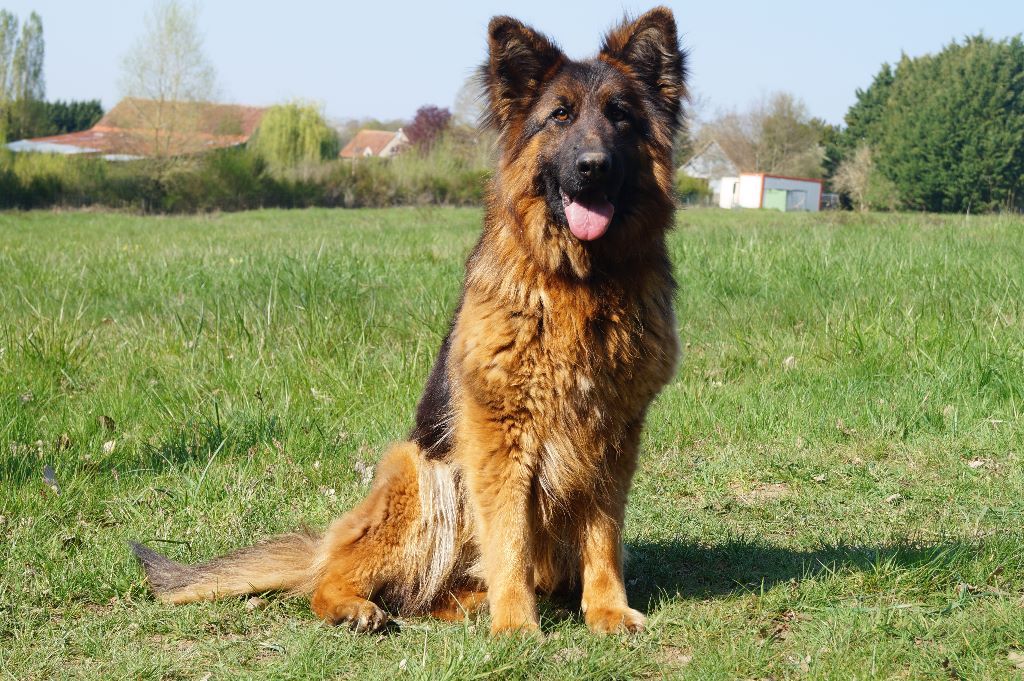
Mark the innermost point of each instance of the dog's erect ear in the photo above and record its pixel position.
(520, 60)
(649, 47)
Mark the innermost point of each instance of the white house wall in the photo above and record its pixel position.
(727, 192)
(392, 147)
(750, 191)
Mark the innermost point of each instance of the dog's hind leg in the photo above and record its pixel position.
(459, 604)
(363, 551)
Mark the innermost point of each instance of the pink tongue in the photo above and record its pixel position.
(589, 220)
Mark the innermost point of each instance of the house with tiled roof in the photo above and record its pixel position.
(140, 128)
(375, 143)
(711, 163)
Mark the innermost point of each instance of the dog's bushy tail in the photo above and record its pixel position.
(288, 562)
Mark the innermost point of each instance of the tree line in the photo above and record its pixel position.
(290, 161)
(939, 132)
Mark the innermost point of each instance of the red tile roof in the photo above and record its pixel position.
(374, 140)
(131, 129)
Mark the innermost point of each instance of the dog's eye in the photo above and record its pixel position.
(561, 114)
(616, 114)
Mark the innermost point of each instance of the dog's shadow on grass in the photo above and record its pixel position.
(673, 569)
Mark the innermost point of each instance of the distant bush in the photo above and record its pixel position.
(33, 180)
(9, 184)
(429, 123)
(692, 190)
(453, 171)
(858, 178)
(232, 179)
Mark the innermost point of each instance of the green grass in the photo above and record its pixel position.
(832, 486)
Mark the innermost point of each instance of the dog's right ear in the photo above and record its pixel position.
(520, 60)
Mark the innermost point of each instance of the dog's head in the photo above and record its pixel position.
(586, 145)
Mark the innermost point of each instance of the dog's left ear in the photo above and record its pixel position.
(649, 47)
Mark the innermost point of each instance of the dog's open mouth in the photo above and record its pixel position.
(588, 214)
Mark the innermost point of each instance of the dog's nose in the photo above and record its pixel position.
(593, 165)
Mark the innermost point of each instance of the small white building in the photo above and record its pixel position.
(777, 192)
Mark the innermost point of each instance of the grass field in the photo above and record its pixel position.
(832, 487)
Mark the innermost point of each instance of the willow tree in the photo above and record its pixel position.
(294, 135)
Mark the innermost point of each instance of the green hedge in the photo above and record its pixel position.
(238, 179)
(692, 190)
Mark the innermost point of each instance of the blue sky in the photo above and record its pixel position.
(385, 59)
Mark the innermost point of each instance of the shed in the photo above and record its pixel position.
(776, 192)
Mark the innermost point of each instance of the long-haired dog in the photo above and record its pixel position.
(514, 480)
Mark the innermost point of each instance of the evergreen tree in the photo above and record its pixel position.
(944, 132)
(953, 128)
(830, 138)
(62, 117)
(864, 119)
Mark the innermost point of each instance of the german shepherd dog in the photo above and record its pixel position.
(515, 477)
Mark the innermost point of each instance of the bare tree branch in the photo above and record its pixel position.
(165, 75)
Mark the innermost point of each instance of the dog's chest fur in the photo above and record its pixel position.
(564, 371)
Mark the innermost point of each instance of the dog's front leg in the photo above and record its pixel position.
(500, 486)
(604, 593)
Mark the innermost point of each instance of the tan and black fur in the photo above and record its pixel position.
(514, 480)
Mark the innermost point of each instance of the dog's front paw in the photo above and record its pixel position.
(513, 623)
(513, 611)
(614, 620)
(514, 628)
(358, 613)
